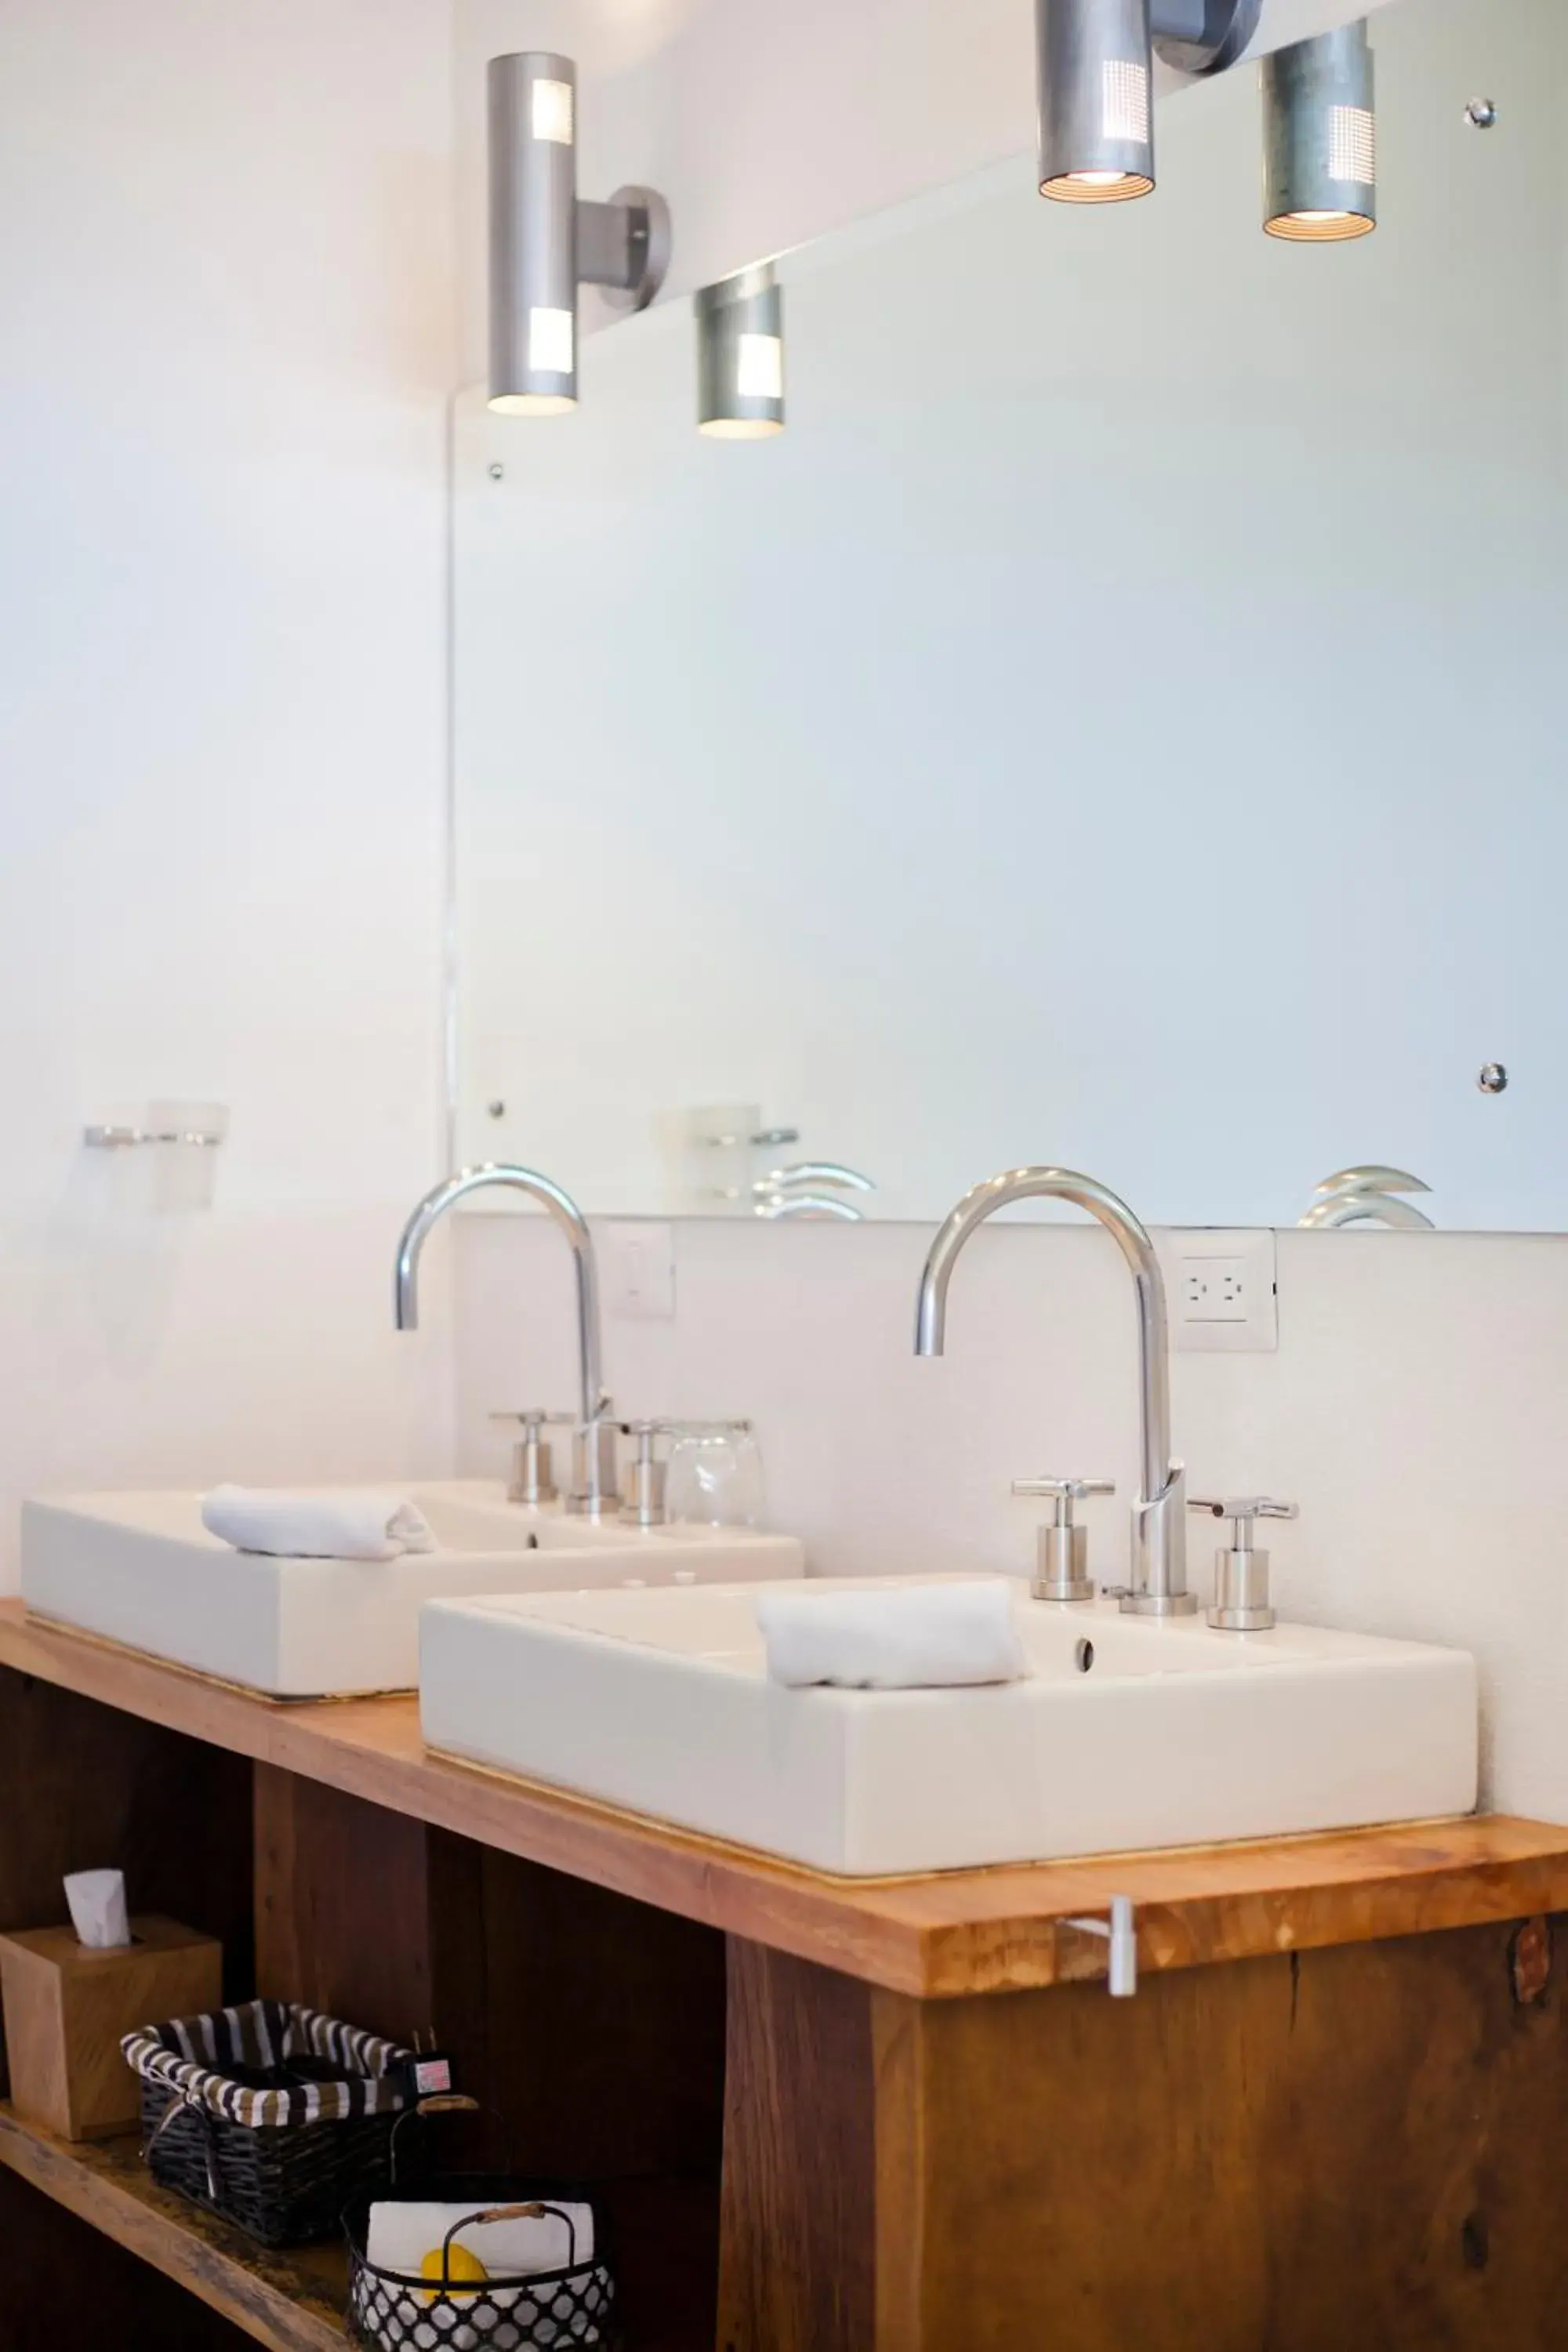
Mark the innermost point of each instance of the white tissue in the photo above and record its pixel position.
(97, 1901)
(941, 1635)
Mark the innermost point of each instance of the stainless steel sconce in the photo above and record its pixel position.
(740, 356)
(545, 241)
(1096, 84)
(1319, 133)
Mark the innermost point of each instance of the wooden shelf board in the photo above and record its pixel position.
(293, 2302)
(958, 1933)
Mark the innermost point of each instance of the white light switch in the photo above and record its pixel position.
(639, 1272)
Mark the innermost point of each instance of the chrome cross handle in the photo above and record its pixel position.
(1068, 1491)
(532, 1479)
(1243, 1510)
(1241, 1602)
(1062, 1560)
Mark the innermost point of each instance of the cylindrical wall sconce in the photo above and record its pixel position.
(1320, 138)
(545, 243)
(1097, 143)
(740, 356)
(534, 234)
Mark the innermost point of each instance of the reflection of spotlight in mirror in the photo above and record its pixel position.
(1320, 138)
(740, 357)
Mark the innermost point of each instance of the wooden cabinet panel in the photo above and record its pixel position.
(1314, 2153)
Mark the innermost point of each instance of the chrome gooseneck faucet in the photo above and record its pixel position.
(594, 1483)
(1159, 1515)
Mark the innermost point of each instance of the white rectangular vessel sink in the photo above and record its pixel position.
(1131, 1733)
(141, 1569)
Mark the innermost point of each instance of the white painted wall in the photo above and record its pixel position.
(1414, 1409)
(226, 280)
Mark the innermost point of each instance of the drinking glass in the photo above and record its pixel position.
(715, 1476)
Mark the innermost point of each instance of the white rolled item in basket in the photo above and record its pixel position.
(401, 2235)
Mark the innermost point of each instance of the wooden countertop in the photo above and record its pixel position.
(959, 1932)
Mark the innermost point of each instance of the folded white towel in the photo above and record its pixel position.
(892, 1637)
(352, 1523)
(400, 2236)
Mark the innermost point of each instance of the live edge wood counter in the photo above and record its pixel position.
(894, 2116)
(957, 1934)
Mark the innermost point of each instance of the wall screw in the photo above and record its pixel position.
(496, 1109)
(496, 470)
(1493, 1079)
(1481, 113)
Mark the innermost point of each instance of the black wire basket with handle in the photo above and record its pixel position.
(437, 2308)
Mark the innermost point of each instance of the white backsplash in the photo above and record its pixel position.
(1414, 1409)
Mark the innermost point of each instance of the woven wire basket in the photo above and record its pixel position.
(538, 2310)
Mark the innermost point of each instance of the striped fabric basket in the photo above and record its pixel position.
(270, 2115)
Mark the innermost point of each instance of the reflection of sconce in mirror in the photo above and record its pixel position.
(720, 1147)
(1365, 1196)
(545, 243)
(1320, 138)
(812, 1187)
(740, 357)
(179, 1139)
(1096, 84)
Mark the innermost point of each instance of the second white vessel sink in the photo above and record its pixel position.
(141, 1569)
(1131, 1733)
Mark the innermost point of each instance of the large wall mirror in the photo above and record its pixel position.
(1118, 722)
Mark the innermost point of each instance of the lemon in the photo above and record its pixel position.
(463, 2269)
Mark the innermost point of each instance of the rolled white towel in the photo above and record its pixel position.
(401, 2235)
(347, 1523)
(892, 1637)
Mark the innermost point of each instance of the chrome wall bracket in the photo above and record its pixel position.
(623, 247)
(122, 1139)
(1119, 1931)
(1202, 37)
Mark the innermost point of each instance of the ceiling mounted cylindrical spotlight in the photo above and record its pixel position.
(740, 356)
(1097, 143)
(545, 243)
(1320, 138)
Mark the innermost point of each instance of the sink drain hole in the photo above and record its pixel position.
(1083, 1656)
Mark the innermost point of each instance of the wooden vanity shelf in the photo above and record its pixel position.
(899, 2115)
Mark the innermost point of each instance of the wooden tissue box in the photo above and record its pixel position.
(66, 2009)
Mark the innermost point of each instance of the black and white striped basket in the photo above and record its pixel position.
(270, 2114)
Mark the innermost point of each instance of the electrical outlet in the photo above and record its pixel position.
(639, 1272)
(1222, 1290)
(1215, 1289)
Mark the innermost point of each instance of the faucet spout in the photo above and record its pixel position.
(594, 1406)
(1159, 1524)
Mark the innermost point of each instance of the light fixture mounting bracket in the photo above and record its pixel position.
(1202, 37)
(623, 247)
